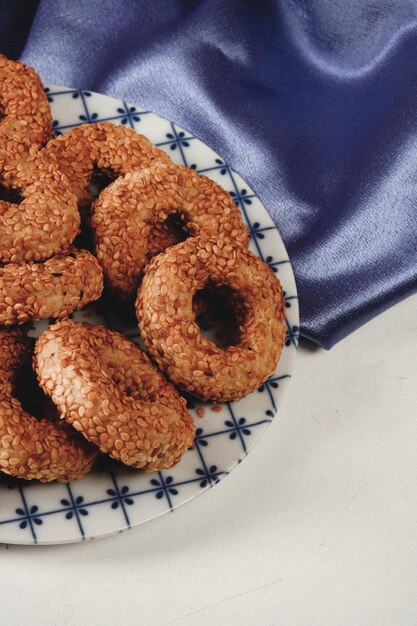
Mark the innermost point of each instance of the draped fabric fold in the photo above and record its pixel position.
(313, 102)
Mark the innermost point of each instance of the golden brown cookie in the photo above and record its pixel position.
(54, 288)
(46, 220)
(108, 389)
(126, 213)
(33, 448)
(25, 112)
(164, 309)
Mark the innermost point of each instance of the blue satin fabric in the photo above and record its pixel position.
(313, 102)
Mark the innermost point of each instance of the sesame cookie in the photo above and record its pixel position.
(55, 288)
(111, 149)
(108, 389)
(164, 309)
(33, 448)
(26, 115)
(126, 212)
(46, 220)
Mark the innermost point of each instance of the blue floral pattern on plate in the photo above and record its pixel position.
(112, 500)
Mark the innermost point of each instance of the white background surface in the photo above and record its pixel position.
(318, 525)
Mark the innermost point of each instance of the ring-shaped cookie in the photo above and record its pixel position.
(108, 389)
(55, 288)
(126, 212)
(111, 149)
(32, 448)
(25, 112)
(164, 308)
(46, 221)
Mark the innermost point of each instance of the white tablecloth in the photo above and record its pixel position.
(318, 526)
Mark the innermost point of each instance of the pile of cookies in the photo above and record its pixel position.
(160, 239)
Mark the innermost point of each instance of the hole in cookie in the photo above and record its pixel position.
(12, 196)
(166, 234)
(177, 226)
(33, 400)
(219, 312)
(100, 179)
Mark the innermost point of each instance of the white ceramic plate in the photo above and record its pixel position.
(109, 501)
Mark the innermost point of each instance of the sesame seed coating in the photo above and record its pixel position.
(25, 107)
(126, 212)
(33, 448)
(114, 150)
(164, 308)
(108, 389)
(47, 220)
(54, 288)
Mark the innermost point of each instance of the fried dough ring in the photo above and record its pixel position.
(108, 389)
(170, 333)
(114, 150)
(32, 448)
(46, 221)
(25, 107)
(126, 212)
(55, 288)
